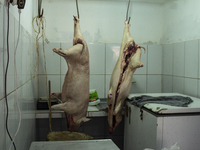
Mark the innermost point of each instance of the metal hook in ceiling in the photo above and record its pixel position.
(127, 12)
(39, 9)
(77, 8)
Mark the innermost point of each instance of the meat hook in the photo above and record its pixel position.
(127, 12)
(77, 8)
(39, 9)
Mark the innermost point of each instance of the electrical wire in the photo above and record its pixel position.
(7, 111)
(19, 124)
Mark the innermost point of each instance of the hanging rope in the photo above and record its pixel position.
(39, 30)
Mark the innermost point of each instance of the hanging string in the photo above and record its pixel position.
(40, 22)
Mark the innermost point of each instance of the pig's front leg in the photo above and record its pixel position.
(74, 50)
(135, 60)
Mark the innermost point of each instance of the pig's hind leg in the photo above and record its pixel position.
(135, 60)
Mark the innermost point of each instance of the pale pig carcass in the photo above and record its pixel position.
(121, 79)
(75, 90)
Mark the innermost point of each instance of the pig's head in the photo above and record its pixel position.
(129, 61)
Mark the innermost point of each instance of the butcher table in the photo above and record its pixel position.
(75, 145)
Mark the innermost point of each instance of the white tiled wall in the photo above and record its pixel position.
(26, 87)
(154, 59)
(178, 59)
(191, 59)
(167, 68)
(103, 57)
(185, 68)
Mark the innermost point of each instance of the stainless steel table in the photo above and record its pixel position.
(104, 144)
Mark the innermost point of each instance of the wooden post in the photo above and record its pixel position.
(50, 106)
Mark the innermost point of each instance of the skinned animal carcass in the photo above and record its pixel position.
(75, 90)
(121, 79)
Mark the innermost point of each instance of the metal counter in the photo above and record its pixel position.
(75, 145)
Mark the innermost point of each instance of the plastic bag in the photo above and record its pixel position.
(173, 147)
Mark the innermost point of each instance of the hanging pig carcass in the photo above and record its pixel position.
(121, 79)
(75, 90)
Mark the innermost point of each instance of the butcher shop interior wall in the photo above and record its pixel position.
(24, 88)
(170, 39)
(169, 31)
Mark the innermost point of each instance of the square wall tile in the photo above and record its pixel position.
(167, 84)
(198, 88)
(168, 59)
(1, 67)
(97, 58)
(2, 122)
(29, 55)
(63, 64)
(178, 85)
(18, 55)
(154, 59)
(190, 87)
(154, 84)
(10, 72)
(143, 70)
(55, 84)
(25, 55)
(1, 24)
(97, 82)
(178, 59)
(13, 114)
(108, 77)
(1, 76)
(140, 85)
(52, 59)
(199, 59)
(112, 55)
(191, 59)
(26, 96)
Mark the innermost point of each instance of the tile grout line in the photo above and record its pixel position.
(18, 87)
(198, 72)
(184, 67)
(162, 70)
(147, 67)
(105, 74)
(60, 69)
(172, 66)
